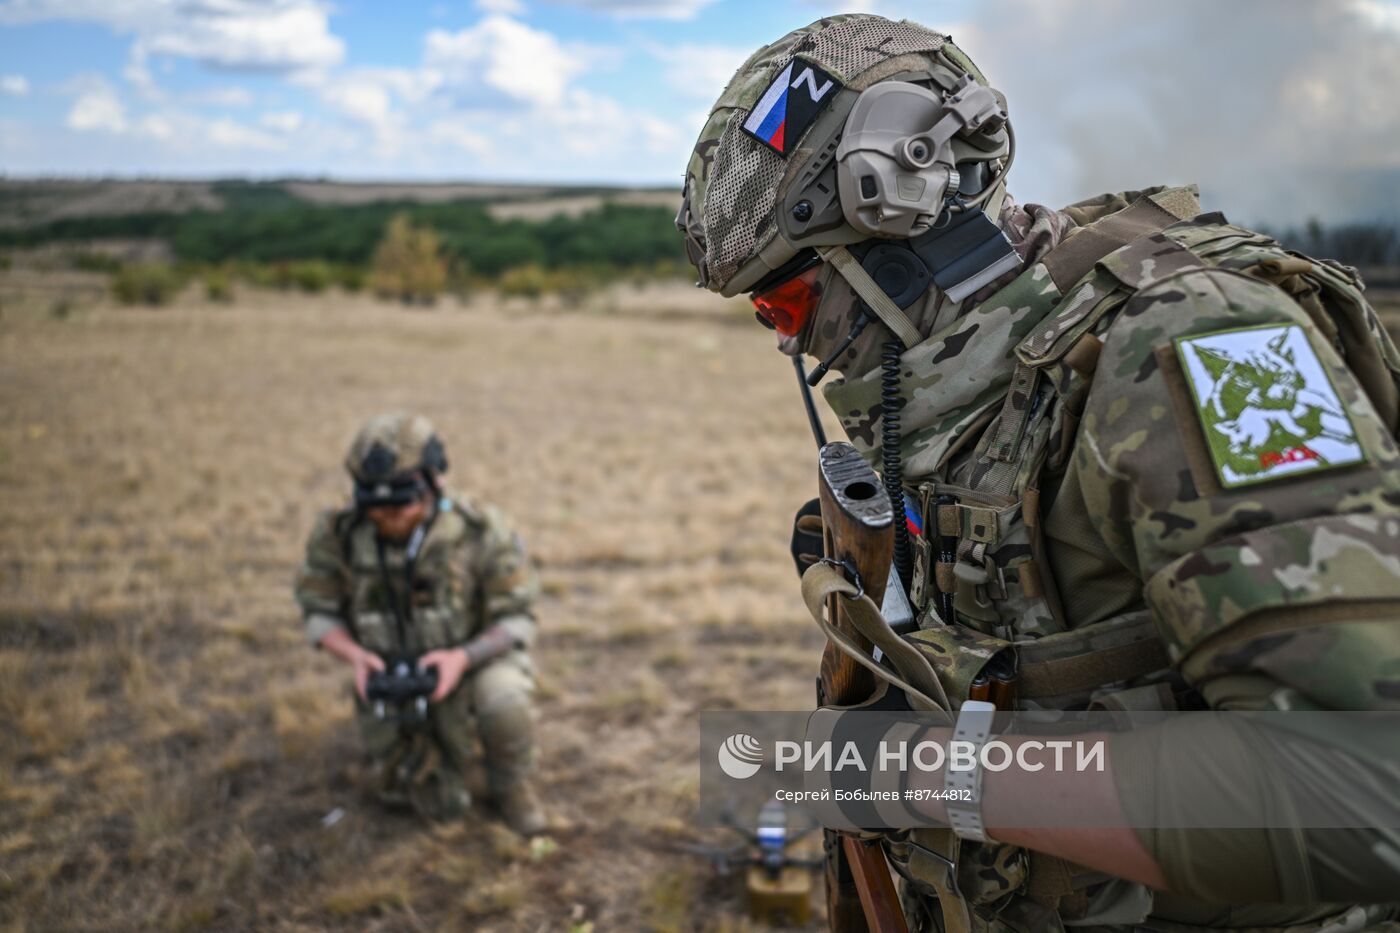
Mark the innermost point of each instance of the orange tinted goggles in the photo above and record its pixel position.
(787, 305)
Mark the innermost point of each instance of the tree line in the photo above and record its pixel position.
(265, 236)
(270, 229)
(1367, 245)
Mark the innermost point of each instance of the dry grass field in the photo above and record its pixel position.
(171, 748)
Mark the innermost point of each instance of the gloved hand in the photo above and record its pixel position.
(807, 544)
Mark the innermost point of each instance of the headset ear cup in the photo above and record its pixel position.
(434, 456)
(898, 271)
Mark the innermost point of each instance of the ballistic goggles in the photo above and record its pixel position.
(783, 301)
(395, 492)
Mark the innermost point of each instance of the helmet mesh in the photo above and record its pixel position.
(739, 207)
(852, 46)
(741, 200)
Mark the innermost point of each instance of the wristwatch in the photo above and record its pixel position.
(964, 803)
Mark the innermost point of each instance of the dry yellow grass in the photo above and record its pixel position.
(171, 745)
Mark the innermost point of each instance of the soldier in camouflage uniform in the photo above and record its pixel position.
(1146, 453)
(411, 569)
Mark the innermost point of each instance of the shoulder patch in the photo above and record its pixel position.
(1268, 409)
(792, 101)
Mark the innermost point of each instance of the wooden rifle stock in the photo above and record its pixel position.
(858, 530)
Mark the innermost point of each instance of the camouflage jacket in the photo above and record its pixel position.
(471, 573)
(1179, 446)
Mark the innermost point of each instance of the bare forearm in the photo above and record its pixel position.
(339, 643)
(1085, 801)
(497, 639)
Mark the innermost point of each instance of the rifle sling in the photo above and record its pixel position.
(913, 674)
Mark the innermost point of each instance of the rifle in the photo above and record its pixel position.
(858, 532)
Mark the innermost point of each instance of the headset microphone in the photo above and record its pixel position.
(862, 320)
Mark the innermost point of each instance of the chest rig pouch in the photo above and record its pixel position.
(412, 605)
(981, 578)
(989, 623)
(986, 600)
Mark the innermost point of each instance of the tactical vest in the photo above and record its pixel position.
(983, 542)
(439, 601)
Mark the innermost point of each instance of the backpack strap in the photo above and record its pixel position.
(1142, 221)
(1071, 260)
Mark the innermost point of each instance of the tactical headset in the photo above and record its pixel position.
(894, 182)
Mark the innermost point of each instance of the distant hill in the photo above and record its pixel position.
(483, 229)
(31, 203)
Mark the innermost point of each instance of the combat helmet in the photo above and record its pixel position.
(394, 459)
(852, 132)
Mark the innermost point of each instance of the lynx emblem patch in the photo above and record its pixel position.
(1267, 406)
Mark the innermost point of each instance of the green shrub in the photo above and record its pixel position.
(313, 275)
(408, 263)
(574, 284)
(529, 281)
(95, 262)
(283, 276)
(351, 276)
(218, 285)
(152, 283)
(260, 274)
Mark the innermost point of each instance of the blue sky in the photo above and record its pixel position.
(1280, 110)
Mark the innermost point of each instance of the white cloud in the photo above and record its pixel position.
(508, 7)
(574, 124)
(137, 71)
(14, 85)
(97, 108)
(1266, 102)
(455, 101)
(866, 6)
(1383, 14)
(410, 85)
(451, 132)
(156, 127)
(375, 99)
(283, 36)
(700, 72)
(283, 121)
(279, 35)
(503, 56)
(227, 133)
(642, 9)
(222, 97)
(361, 100)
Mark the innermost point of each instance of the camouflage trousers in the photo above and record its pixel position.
(425, 766)
(1171, 914)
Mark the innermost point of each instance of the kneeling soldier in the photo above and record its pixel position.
(427, 597)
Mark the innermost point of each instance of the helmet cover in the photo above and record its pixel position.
(761, 182)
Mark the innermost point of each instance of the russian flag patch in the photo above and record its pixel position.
(797, 95)
(912, 519)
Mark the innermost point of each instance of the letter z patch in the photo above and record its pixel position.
(1267, 406)
(797, 95)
